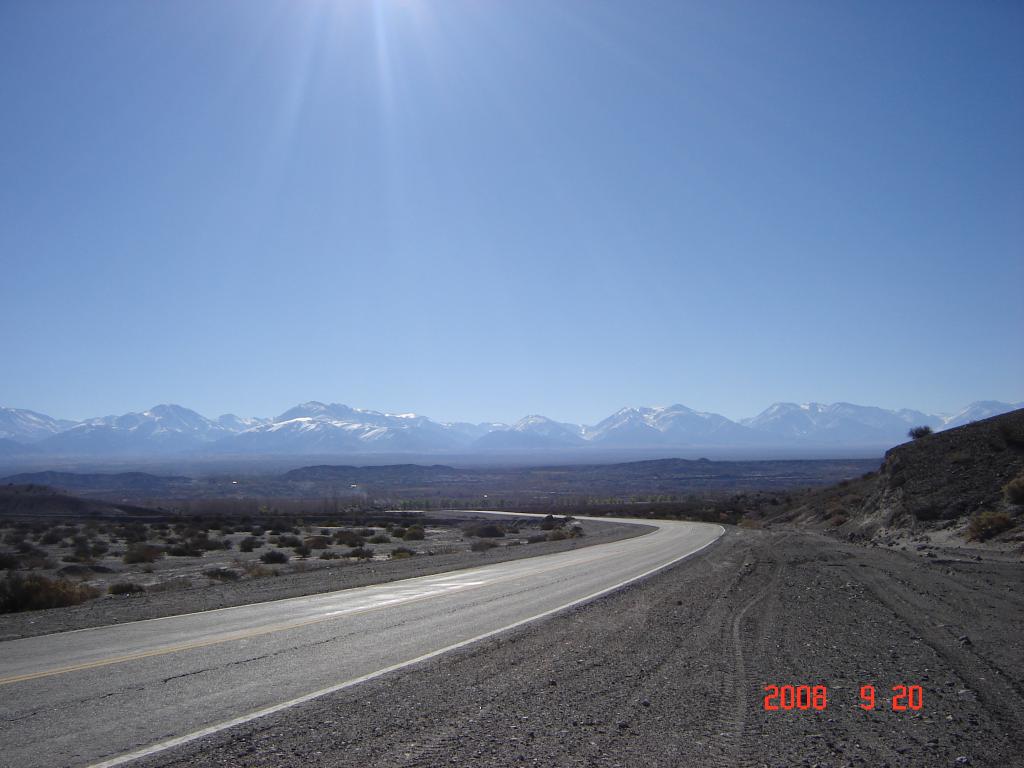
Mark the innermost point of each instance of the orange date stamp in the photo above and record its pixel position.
(815, 697)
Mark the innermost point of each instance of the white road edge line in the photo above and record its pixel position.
(242, 719)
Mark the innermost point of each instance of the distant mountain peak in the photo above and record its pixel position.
(317, 427)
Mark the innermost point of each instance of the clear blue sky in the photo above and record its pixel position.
(478, 209)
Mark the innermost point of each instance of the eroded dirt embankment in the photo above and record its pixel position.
(670, 672)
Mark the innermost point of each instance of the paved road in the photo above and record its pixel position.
(103, 696)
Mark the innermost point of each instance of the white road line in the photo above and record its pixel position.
(210, 730)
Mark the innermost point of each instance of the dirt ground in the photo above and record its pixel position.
(671, 672)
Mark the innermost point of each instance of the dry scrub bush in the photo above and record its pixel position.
(484, 530)
(1014, 490)
(917, 433)
(222, 574)
(142, 553)
(985, 525)
(125, 588)
(33, 592)
(415, 533)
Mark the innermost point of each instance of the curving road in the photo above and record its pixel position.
(108, 695)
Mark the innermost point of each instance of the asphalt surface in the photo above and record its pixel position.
(669, 672)
(104, 695)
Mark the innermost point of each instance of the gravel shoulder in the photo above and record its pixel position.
(670, 672)
(321, 577)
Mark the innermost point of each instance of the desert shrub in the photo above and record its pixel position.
(133, 533)
(415, 533)
(366, 532)
(36, 560)
(485, 531)
(550, 522)
(83, 552)
(125, 588)
(185, 549)
(222, 574)
(256, 571)
(362, 553)
(985, 525)
(557, 534)
(32, 593)
(274, 556)
(917, 433)
(401, 552)
(249, 543)
(99, 548)
(349, 538)
(398, 532)
(53, 536)
(537, 538)
(289, 541)
(329, 554)
(302, 551)
(380, 538)
(142, 553)
(482, 545)
(1014, 490)
(206, 544)
(1012, 434)
(318, 542)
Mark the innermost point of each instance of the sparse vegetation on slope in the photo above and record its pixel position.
(969, 480)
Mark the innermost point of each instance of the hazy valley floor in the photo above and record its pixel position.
(670, 672)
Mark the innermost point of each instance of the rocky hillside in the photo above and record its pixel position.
(967, 481)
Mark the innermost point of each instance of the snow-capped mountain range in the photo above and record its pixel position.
(322, 428)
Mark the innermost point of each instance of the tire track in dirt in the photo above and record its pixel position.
(745, 629)
(996, 690)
